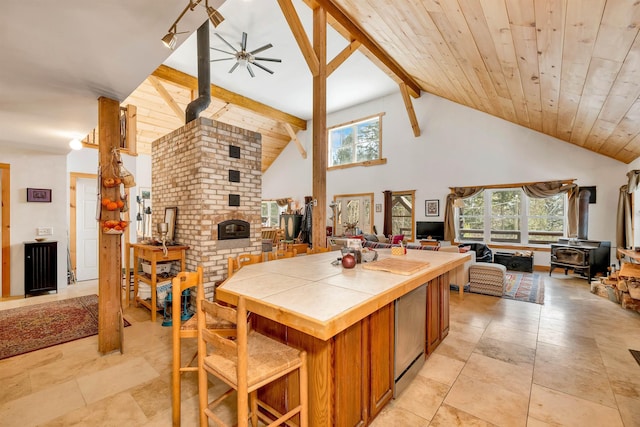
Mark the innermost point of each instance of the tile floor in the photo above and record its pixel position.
(504, 363)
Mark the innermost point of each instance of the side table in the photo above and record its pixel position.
(153, 254)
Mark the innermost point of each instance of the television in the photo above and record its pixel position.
(430, 230)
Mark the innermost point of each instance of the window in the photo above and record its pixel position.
(356, 143)
(509, 216)
(546, 219)
(506, 208)
(271, 213)
(353, 211)
(402, 213)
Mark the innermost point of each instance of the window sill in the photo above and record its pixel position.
(352, 165)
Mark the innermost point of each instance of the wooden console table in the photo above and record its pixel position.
(153, 254)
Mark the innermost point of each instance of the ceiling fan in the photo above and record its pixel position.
(243, 57)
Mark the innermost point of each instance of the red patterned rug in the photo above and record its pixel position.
(40, 326)
(524, 287)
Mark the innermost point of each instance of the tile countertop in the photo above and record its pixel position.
(310, 294)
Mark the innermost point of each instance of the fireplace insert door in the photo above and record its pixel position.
(587, 257)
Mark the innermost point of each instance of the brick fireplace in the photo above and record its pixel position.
(211, 172)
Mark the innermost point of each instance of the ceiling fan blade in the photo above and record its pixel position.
(234, 67)
(222, 59)
(262, 66)
(223, 51)
(250, 70)
(259, 58)
(260, 49)
(244, 41)
(226, 42)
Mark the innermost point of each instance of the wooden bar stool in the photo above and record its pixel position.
(188, 330)
(246, 364)
(235, 263)
(281, 253)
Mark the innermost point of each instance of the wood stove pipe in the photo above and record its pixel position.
(201, 103)
(583, 214)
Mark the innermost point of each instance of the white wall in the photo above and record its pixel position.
(86, 161)
(30, 169)
(458, 147)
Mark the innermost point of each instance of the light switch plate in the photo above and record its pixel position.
(44, 231)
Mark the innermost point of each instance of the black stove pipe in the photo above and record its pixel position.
(583, 214)
(201, 103)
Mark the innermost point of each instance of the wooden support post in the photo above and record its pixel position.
(319, 236)
(109, 270)
(5, 209)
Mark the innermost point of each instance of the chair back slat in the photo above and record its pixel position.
(216, 310)
(246, 259)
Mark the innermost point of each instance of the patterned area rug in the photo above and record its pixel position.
(527, 287)
(40, 326)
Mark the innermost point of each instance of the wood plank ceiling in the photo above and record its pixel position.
(569, 69)
(162, 98)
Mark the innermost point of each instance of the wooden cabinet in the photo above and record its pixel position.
(153, 254)
(381, 338)
(437, 312)
(40, 267)
(364, 368)
(358, 361)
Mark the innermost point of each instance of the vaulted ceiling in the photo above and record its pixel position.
(568, 69)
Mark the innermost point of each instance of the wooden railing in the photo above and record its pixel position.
(128, 128)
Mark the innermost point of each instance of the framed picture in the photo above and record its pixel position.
(170, 218)
(39, 195)
(432, 207)
(378, 207)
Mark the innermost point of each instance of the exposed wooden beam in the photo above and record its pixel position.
(355, 32)
(410, 111)
(109, 267)
(132, 129)
(342, 56)
(178, 77)
(221, 111)
(166, 97)
(320, 155)
(300, 35)
(295, 139)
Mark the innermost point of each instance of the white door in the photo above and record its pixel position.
(86, 230)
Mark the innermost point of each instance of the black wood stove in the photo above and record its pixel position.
(587, 257)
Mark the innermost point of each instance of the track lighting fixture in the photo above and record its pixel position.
(215, 17)
(213, 14)
(170, 39)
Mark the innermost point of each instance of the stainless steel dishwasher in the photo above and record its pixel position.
(410, 337)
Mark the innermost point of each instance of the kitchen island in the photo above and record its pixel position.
(345, 320)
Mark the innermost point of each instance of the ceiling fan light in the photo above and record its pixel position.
(215, 17)
(169, 40)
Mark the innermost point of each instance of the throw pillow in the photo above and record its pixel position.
(464, 249)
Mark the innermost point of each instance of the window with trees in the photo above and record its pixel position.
(270, 213)
(509, 216)
(402, 213)
(356, 143)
